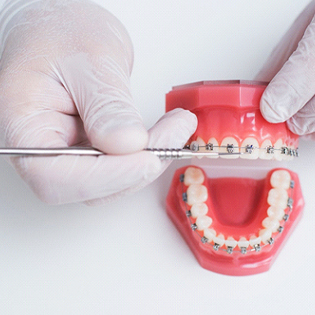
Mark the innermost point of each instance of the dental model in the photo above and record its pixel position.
(234, 225)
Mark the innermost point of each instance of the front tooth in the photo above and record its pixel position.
(203, 222)
(223, 149)
(255, 153)
(285, 157)
(193, 175)
(275, 213)
(198, 209)
(202, 145)
(280, 179)
(271, 224)
(196, 193)
(215, 144)
(209, 234)
(278, 145)
(219, 240)
(254, 240)
(243, 242)
(265, 235)
(230, 242)
(263, 150)
(278, 197)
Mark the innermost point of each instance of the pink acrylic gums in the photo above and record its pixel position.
(234, 225)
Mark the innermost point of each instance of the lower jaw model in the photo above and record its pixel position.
(234, 225)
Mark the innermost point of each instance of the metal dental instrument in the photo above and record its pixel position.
(164, 154)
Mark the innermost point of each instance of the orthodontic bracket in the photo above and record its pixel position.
(229, 250)
(248, 149)
(194, 226)
(204, 240)
(216, 247)
(270, 149)
(230, 148)
(257, 247)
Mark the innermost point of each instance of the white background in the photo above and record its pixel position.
(127, 257)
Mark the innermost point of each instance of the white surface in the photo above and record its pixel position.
(127, 257)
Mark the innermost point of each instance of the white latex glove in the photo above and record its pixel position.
(291, 69)
(64, 81)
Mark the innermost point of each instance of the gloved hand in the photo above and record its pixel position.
(64, 81)
(291, 69)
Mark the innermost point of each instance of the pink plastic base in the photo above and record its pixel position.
(235, 264)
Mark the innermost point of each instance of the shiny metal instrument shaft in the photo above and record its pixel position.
(49, 151)
(163, 154)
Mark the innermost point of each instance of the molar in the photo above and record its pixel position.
(263, 152)
(196, 193)
(193, 175)
(278, 197)
(229, 141)
(280, 179)
(203, 222)
(255, 153)
(198, 209)
(275, 213)
(271, 224)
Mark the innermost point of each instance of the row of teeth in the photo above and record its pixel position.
(278, 200)
(248, 149)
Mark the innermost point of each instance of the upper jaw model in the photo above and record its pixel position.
(234, 225)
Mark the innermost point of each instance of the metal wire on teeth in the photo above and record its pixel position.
(230, 149)
(242, 250)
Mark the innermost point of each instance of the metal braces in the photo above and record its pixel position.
(243, 250)
(248, 149)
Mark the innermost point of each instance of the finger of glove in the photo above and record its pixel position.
(98, 79)
(303, 122)
(173, 130)
(294, 84)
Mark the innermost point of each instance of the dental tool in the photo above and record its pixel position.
(190, 151)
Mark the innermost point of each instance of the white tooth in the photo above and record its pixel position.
(203, 222)
(255, 153)
(230, 242)
(223, 149)
(193, 175)
(278, 145)
(278, 197)
(243, 242)
(275, 213)
(209, 234)
(280, 179)
(215, 148)
(198, 209)
(265, 235)
(196, 193)
(202, 145)
(254, 240)
(263, 151)
(219, 240)
(271, 224)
